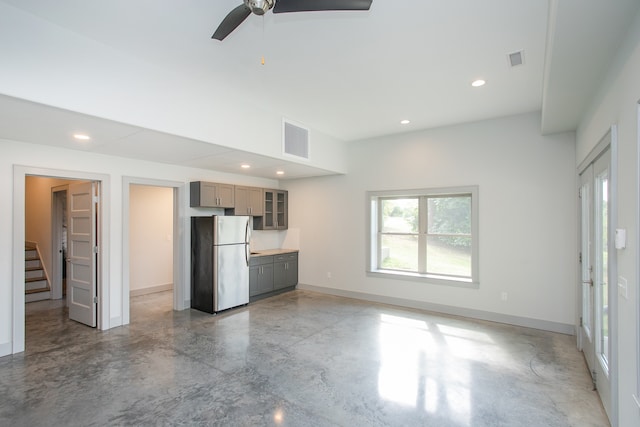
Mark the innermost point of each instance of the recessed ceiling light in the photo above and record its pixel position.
(405, 122)
(280, 172)
(478, 83)
(245, 166)
(81, 136)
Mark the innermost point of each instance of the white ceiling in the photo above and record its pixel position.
(351, 75)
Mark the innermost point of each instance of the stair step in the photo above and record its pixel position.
(35, 291)
(37, 296)
(33, 263)
(34, 275)
(36, 286)
(35, 279)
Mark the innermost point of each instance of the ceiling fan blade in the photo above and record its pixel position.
(284, 6)
(231, 22)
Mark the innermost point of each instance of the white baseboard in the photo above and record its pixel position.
(526, 322)
(114, 322)
(150, 290)
(5, 349)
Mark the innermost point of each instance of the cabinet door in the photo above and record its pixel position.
(256, 201)
(292, 272)
(268, 221)
(254, 283)
(282, 210)
(242, 201)
(280, 275)
(249, 201)
(208, 194)
(275, 215)
(226, 193)
(265, 279)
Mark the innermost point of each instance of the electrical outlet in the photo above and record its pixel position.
(329, 275)
(503, 296)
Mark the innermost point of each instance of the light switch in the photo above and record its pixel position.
(621, 238)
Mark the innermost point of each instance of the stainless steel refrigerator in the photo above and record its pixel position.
(219, 262)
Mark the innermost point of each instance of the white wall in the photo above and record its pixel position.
(527, 192)
(150, 237)
(617, 103)
(114, 169)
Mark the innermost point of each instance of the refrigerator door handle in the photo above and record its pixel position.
(247, 247)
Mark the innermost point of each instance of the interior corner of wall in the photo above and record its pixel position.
(5, 349)
(114, 322)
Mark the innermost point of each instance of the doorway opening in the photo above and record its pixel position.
(62, 234)
(597, 329)
(146, 245)
(32, 221)
(151, 250)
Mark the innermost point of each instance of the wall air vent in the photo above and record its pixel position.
(295, 140)
(516, 58)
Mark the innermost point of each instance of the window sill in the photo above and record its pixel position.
(424, 278)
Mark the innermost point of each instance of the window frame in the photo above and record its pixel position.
(374, 235)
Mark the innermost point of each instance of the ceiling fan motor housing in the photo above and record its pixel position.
(259, 7)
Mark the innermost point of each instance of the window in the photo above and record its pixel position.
(426, 235)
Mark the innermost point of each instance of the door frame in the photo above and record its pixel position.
(609, 140)
(56, 238)
(180, 281)
(636, 397)
(20, 172)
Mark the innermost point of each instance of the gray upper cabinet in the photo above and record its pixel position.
(212, 195)
(276, 211)
(248, 201)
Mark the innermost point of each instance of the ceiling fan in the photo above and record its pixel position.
(260, 7)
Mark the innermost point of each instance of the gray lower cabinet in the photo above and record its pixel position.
(260, 275)
(272, 274)
(285, 270)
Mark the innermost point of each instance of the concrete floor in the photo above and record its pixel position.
(298, 359)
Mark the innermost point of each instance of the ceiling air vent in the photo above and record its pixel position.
(516, 58)
(296, 140)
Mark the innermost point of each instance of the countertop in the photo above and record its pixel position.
(265, 252)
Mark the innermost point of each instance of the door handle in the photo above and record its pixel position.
(590, 282)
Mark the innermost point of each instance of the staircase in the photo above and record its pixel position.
(36, 282)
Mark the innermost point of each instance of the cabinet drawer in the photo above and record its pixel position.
(286, 257)
(260, 260)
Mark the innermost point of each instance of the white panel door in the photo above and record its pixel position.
(81, 253)
(595, 190)
(602, 291)
(586, 267)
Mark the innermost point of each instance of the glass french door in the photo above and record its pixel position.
(595, 190)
